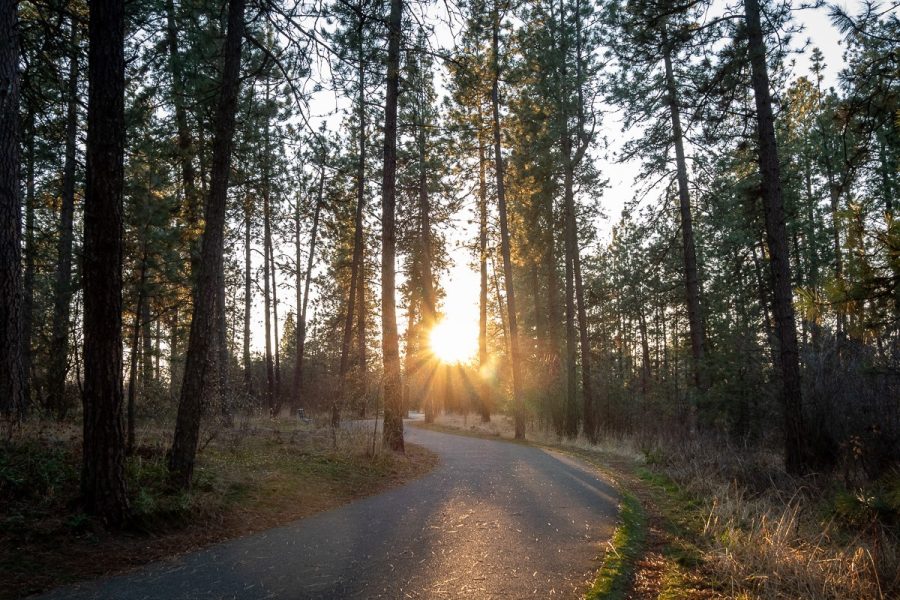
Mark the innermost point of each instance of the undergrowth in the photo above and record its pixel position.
(737, 521)
(256, 475)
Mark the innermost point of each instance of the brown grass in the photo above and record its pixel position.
(728, 523)
(260, 474)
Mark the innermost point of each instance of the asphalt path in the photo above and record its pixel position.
(493, 520)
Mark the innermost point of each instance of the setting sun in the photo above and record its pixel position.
(452, 341)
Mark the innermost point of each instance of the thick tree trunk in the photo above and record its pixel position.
(515, 357)
(393, 409)
(103, 472)
(62, 291)
(776, 236)
(691, 279)
(12, 371)
(199, 377)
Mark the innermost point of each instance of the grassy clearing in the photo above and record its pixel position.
(723, 523)
(255, 476)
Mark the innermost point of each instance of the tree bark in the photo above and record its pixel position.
(776, 237)
(361, 312)
(691, 279)
(267, 294)
(199, 378)
(103, 471)
(12, 372)
(132, 366)
(301, 326)
(587, 383)
(393, 409)
(62, 291)
(277, 390)
(429, 300)
(515, 358)
(355, 267)
(484, 388)
(28, 301)
(248, 298)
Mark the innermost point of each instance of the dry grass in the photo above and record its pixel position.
(253, 476)
(759, 533)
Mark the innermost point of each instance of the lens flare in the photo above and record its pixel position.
(453, 342)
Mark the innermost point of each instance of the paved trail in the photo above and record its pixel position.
(493, 520)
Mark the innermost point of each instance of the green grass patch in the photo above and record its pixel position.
(614, 577)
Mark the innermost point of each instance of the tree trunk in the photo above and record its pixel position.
(174, 358)
(103, 471)
(691, 280)
(132, 366)
(645, 350)
(355, 268)
(429, 300)
(28, 300)
(587, 383)
(12, 372)
(301, 326)
(515, 358)
(199, 381)
(776, 237)
(361, 312)
(248, 299)
(277, 390)
(410, 364)
(484, 387)
(146, 339)
(554, 319)
(62, 292)
(267, 295)
(393, 409)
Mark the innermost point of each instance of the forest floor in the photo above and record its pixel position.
(256, 475)
(709, 522)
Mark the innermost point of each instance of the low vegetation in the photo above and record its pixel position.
(712, 522)
(255, 475)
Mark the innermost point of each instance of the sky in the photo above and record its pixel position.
(461, 282)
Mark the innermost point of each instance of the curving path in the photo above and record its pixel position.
(493, 520)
